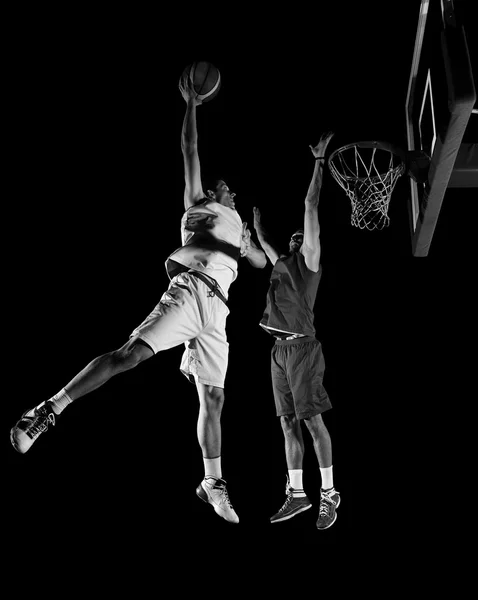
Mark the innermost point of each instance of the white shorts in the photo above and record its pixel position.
(189, 314)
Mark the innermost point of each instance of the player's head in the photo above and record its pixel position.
(296, 240)
(221, 193)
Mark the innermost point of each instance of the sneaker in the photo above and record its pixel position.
(292, 506)
(32, 424)
(213, 491)
(329, 503)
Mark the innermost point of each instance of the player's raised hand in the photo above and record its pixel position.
(257, 217)
(187, 90)
(245, 239)
(321, 147)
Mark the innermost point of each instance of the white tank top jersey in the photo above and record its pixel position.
(211, 235)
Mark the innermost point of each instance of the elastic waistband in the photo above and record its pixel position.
(299, 340)
(211, 284)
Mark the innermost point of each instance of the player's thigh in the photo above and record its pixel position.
(209, 351)
(280, 383)
(174, 320)
(306, 368)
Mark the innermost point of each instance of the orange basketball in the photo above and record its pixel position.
(204, 78)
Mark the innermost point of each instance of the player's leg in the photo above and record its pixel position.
(96, 373)
(329, 497)
(211, 401)
(293, 442)
(103, 367)
(296, 499)
(322, 446)
(306, 369)
(312, 401)
(174, 320)
(212, 488)
(205, 360)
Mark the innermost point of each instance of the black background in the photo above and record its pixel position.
(93, 212)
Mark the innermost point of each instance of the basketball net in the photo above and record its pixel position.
(367, 181)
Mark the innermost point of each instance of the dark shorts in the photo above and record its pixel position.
(297, 369)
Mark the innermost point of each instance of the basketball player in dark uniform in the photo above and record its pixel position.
(297, 363)
(192, 311)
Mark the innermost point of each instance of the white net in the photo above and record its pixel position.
(368, 175)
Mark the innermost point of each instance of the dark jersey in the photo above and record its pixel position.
(291, 297)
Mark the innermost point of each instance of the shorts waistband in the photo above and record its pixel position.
(298, 340)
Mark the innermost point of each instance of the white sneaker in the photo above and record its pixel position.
(213, 490)
(32, 424)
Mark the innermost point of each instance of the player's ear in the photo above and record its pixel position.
(211, 195)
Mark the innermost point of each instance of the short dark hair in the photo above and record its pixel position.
(211, 182)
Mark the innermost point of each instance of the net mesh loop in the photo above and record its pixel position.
(368, 175)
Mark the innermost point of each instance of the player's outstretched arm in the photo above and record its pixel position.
(249, 250)
(193, 192)
(264, 240)
(311, 245)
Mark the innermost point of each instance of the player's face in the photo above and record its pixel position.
(296, 241)
(224, 195)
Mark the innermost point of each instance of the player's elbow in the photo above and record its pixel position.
(260, 262)
(189, 146)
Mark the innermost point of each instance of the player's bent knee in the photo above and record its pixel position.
(130, 355)
(315, 424)
(215, 394)
(289, 422)
(212, 397)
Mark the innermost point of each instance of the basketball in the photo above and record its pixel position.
(205, 79)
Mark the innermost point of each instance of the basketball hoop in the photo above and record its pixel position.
(368, 172)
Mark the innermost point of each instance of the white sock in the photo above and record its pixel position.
(295, 480)
(327, 478)
(60, 401)
(212, 467)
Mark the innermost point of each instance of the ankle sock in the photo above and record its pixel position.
(60, 401)
(212, 467)
(295, 481)
(327, 478)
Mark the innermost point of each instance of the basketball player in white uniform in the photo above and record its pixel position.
(192, 311)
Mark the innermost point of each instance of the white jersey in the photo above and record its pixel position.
(211, 236)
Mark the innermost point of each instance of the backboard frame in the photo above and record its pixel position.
(448, 48)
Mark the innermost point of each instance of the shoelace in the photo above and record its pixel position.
(289, 498)
(40, 423)
(326, 504)
(224, 494)
(226, 497)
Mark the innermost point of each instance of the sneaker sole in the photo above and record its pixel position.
(15, 444)
(297, 512)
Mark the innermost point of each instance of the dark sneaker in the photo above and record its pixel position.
(329, 503)
(32, 424)
(292, 506)
(213, 491)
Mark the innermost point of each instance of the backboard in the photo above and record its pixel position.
(439, 108)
